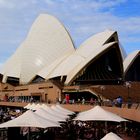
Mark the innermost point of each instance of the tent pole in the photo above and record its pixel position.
(125, 126)
(106, 125)
(28, 136)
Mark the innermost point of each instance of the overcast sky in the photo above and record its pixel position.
(82, 18)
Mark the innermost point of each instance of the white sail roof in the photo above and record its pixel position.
(12, 67)
(73, 64)
(85, 53)
(48, 69)
(123, 52)
(48, 51)
(63, 65)
(47, 41)
(130, 59)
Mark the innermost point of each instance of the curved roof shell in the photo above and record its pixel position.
(12, 67)
(129, 60)
(88, 51)
(123, 52)
(47, 41)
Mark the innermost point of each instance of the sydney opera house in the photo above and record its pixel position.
(48, 67)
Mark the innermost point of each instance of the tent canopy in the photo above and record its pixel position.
(98, 114)
(53, 112)
(28, 105)
(111, 136)
(30, 119)
(32, 106)
(43, 113)
(62, 110)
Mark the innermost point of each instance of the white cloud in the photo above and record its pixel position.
(97, 22)
(82, 18)
(6, 4)
(50, 2)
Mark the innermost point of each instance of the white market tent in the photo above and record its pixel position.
(32, 106)
(64, 109)
(111, 136)
(54, 113)
(27, 106)
(30, 119)
(43, 113)
(98, 114)
(59, 109)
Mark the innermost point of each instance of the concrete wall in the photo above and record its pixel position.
(46, 91)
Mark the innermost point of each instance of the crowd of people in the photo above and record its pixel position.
(117, 102)
(26, 99)
(94, 130)
(72, 129)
